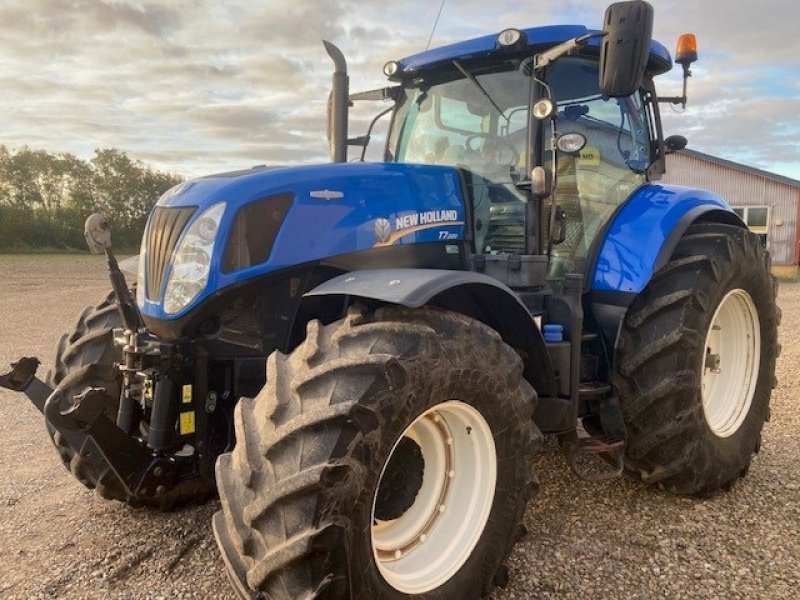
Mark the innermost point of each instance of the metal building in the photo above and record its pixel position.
(768, 203)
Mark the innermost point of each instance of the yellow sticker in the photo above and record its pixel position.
(187, 423)
(589, 156)
(187, 394)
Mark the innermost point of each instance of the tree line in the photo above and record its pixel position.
(46, 197)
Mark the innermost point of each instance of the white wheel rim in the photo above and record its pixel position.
(425, 546)
(730, 364)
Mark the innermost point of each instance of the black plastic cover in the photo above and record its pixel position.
(255, 228)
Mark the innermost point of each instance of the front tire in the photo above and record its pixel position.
(695, 362)
(87, 357)
(355, 462)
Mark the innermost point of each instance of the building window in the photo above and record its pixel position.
(757, 220)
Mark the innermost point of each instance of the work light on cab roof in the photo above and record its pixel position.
(510, 38)
(391, 68)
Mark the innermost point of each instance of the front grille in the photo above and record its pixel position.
(166, 226)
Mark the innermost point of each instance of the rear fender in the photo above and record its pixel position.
(645, 231)
(640, 240)
(472, 294)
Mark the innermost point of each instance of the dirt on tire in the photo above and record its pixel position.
(661, 347)
(297, 490)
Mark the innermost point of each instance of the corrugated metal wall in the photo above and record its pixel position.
(740, 188)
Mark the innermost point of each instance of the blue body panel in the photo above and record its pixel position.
(660, 60)
(634, 239)
(421, 204)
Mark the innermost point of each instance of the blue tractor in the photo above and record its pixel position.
(362, 358)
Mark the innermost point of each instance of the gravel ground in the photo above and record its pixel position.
(609, 540)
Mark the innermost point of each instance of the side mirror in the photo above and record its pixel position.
(625, 48)
(674, 143)
(97, 232)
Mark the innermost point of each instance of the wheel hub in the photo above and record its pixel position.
(433, 498)
(401, 481)
(731, 363)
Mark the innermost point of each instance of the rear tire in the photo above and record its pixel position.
(696, 362)
(300, 492)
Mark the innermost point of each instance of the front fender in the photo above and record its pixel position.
(644, 232)
(473, 294)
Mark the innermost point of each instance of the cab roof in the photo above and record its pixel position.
(537, 37)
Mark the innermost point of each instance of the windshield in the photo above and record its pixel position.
(452, 122)
(481, 128)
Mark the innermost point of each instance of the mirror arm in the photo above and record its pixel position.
(387, 93)
(543, 59)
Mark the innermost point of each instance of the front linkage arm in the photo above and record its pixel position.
(22, 378)
(102, 445)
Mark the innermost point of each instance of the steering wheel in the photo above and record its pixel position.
(500, 144)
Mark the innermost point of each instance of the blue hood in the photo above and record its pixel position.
(337, 209)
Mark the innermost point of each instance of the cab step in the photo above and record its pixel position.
(593, 458)
(590, 390)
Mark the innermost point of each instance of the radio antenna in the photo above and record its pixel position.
(435, 23)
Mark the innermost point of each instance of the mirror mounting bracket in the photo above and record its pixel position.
(543, 59)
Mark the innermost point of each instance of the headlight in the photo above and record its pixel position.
(192, 260)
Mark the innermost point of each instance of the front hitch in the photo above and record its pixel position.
(83, 426)
(103, 446)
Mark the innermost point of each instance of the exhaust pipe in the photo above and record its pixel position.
(338, 103)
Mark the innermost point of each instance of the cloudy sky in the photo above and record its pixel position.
(201, 86)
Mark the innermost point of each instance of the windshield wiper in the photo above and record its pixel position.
(483, 91)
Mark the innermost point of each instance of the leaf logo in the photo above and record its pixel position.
(383, 230)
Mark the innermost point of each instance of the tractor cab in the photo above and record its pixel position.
(493, 108)
(484, 128)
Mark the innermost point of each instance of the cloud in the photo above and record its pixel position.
(197, 86)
